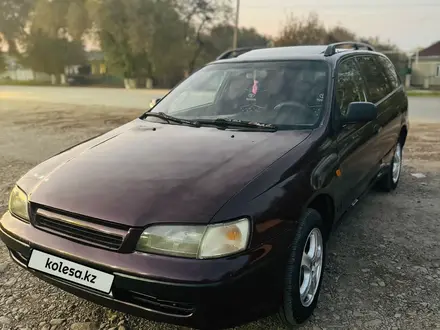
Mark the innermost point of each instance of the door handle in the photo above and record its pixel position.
(377, 128)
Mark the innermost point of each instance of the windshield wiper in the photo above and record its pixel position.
(171, 119)
(222, 122)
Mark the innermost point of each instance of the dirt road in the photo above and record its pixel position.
(383, 269)
(85, 96)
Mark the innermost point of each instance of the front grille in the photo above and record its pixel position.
(79, 230)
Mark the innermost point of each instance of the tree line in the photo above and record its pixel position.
(160, 39)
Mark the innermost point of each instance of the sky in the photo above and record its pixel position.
(407, 23)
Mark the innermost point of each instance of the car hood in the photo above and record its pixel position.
(144, 172)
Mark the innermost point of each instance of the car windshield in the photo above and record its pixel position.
(290, 95)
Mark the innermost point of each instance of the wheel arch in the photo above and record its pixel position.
(324, 204)
(403, 134)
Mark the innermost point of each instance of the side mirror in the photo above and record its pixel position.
(154, 102)
(360, 112)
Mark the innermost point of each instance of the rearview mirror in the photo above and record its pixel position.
(360, 112)
(154, 102)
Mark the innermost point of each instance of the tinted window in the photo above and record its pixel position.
(349, 85)
(374, 75)
(286, 94)
(390, 72)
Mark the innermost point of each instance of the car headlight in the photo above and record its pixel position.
(201, 242)
(18, 203)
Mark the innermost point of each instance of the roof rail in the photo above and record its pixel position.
(331, 49)
(236, 52)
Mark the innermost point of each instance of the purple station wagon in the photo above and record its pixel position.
(220, 199)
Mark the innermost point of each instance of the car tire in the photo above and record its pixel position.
(297, 306)
(391, 179)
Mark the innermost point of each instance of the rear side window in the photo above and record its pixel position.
(390, 71)
(349, 85)
(375, 78)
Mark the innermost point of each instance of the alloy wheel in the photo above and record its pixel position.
(311, 267)
(397, 163)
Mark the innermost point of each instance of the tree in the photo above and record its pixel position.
(154, 38)
(169, 52)
(338, 34)
(199, 17)
(61, 18)
(312, 31)
(2, 63)
(77, 19)
(54, 38)
(221, 38)
(302, 32)
(125, 30)
(51, 55)
(14, 16)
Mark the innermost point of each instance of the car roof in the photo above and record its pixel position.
(330, 53)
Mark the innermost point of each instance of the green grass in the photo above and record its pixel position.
(423, 93)
(35, 83)
(23, 83)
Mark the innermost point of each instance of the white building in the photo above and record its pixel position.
(16, 71)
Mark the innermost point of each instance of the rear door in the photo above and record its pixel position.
(377, 91)
(355, 141)
(390, 119)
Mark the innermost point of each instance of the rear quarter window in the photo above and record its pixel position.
(375, 78)
(390, 71)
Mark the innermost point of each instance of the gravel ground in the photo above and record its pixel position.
(383, 268)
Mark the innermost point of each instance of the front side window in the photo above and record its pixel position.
(288, 94)
(376, 80)
(349, 85)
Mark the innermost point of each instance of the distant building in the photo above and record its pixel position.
(426, 67)
(96, 65)
(16, 71)
(97, 62)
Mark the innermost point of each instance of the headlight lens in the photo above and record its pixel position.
(225, 239)
(18, 203)
(172, 240)
(201, 242)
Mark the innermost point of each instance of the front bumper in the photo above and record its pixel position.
(172, 290)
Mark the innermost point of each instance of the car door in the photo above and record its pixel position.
(395, 104)
(355, 142)
(378, 92)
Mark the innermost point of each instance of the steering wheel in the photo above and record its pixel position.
(304, 111)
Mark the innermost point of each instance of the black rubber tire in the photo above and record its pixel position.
(386, 182)
(291, 311)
